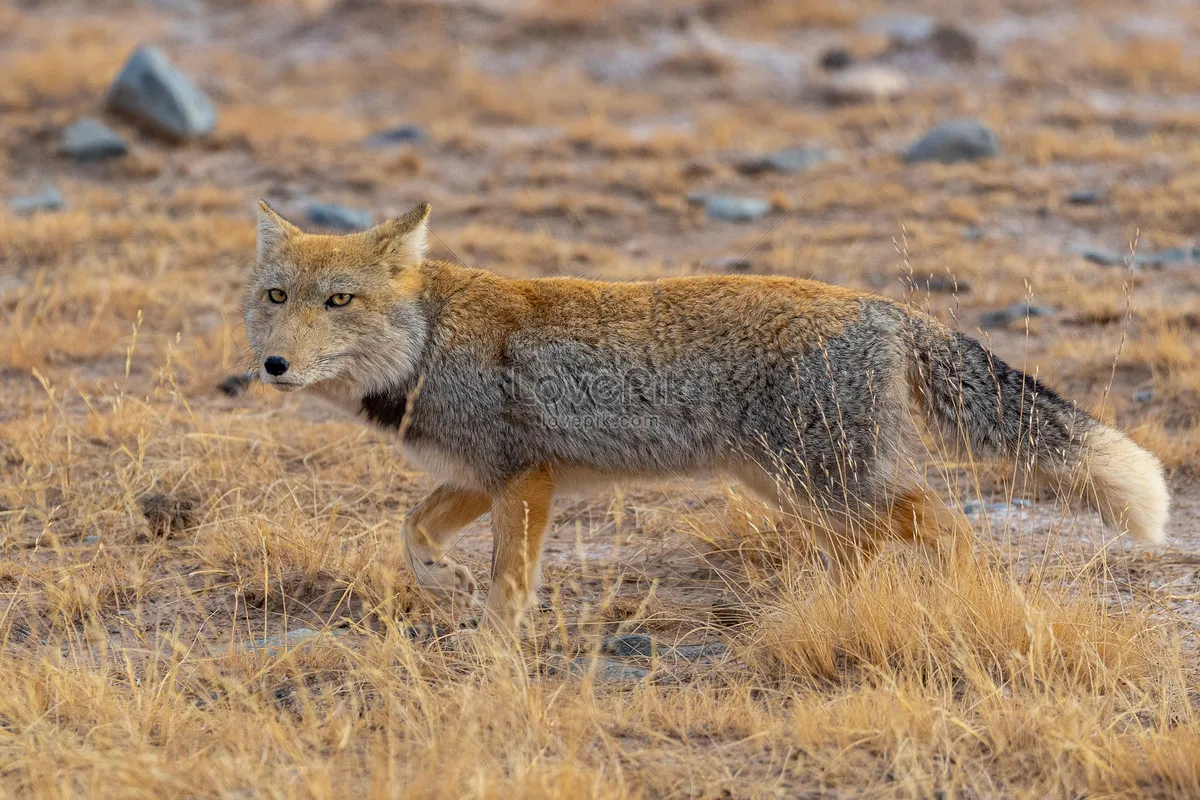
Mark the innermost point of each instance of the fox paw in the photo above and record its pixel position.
(450, 581)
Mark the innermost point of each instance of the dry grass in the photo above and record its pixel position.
(153, 529)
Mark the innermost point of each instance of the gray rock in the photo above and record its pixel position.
(836, 58)
(1174, 255)
(151, 91)
(236, 385)
(333, 215)
(48, 199)
(89, 140)
(1152, 259)
(630, 644)
(1104, 258)
(402, 134)
(607, 670)
(973, 507)
(1004, 317)
(790, 161)
(93, 539)
(735, 264)
(943, 284)
(902, 30)
(282, 641)
(953, 141)
(731, 209)
(700, 652)
(428, 632)
(954, 44)
(1086, 197)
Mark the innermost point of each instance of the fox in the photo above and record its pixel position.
(507, 391)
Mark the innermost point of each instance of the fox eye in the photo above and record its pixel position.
(339, 299)
(276, 295)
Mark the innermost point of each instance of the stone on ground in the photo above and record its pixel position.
(629, 644)
(90, 140)
(789, 161)
(152, 92)
(727, 208)
(401, 134)
(48, 199)
(954, 141)
(1002, 318)
(344, 218)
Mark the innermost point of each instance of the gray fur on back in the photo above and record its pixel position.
(829, 417)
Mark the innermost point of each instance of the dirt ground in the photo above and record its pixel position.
(155, 528)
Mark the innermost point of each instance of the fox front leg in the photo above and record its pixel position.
(426, 536)
(520, 514)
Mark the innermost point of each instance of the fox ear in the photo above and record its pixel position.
(403, 241)
(273, 230)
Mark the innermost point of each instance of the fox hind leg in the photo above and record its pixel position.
(426, 535)
(920, 516)
(851, 540)
(836, 533)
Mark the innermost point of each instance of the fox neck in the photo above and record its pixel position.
(390, 368)
(387, 402)
(393, 371)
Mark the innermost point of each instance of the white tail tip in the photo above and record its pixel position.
(1128, 484)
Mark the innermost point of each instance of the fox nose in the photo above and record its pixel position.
(275, 365)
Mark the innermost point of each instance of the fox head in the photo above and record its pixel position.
(340, 313)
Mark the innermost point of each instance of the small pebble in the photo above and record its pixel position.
(1085, 197)
(630, 644)
(1173, 255)
(48, 199)
(732, 209)
(1004, 317)
(427, 632)
(236, 385)
(402, 134)
(89, 140)
(607, 670)
(836, 58)
(281, 641)
(954, 141)
(954, 44)
(333, 215)
(1104, 258)
(972, 507)
(790, 161)
(698, 652)
(944, 284)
